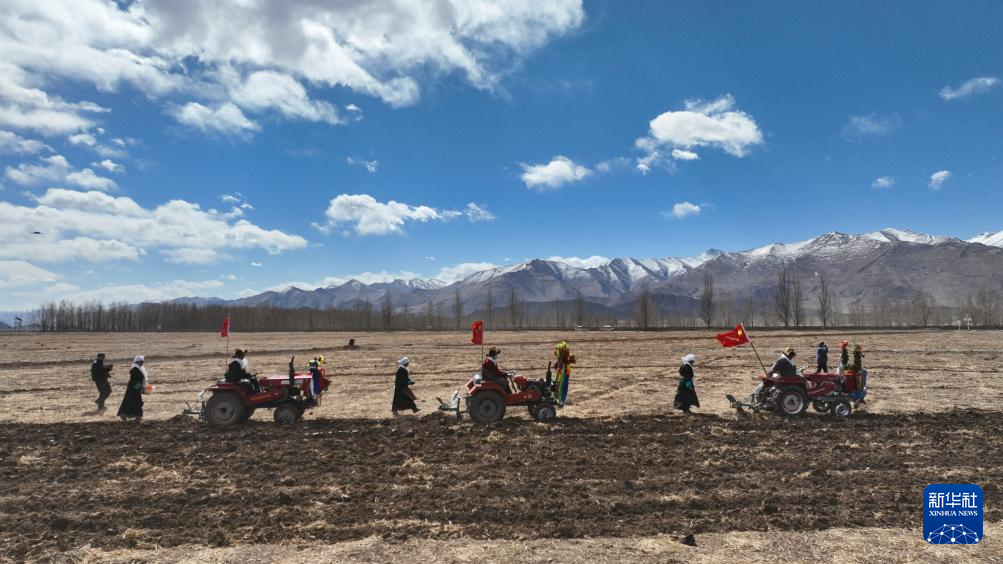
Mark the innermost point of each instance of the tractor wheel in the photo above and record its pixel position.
(546, 413)
(487, 407)
(792, 401)
(532, 409)
(842, 408)
(286, 414)
(820, 406)
(225, 410)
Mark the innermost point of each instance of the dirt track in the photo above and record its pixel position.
(174, 482)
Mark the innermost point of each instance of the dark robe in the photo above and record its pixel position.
(822, 358)
(132, 403)
(403, 398)
(100, 374)
(686, 394)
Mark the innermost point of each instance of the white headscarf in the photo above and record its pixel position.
(404, 362)
(135, 364)
(690, 358)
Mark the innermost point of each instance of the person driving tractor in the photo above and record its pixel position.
(492, 372)
(236, 371)
(784, 366)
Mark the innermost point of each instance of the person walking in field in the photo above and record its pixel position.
(403, 396)
(686, 393)
(100, 372)
(132, 403)
(822, 357)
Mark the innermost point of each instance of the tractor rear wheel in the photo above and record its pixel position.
(842, 408)
(820, 406)
(546, 413)
(286, 414)
(792, 401)
(225, 410)
(487, 407)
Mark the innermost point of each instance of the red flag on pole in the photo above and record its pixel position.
(733, 338)
(477, 330)
(225, 331)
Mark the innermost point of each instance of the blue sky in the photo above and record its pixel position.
(595, 129)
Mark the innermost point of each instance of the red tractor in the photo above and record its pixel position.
(826, 392)
(289, 396)
(487, 400)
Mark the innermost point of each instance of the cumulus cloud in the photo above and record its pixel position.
(978, 85)
(110, 166)
(938, 179)
(683, 209)
(93, 226)
(370, 166)
(590, 262)
(871, 125)
(883, 182)
(225, 119)
(366, 216)
(714, 124)
(13, 144)
(55, 170)
(476, 213)
(260, 55)
(550, 176)
(24, 106)
(90, 140)
(15, 273)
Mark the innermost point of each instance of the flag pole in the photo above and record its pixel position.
(751, 344)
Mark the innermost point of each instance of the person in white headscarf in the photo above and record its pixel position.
(132, 403)
(403, 396)
(686, 393)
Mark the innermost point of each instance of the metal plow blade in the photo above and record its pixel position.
(739, 406)
(453, 406)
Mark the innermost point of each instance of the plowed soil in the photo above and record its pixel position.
(173, 482)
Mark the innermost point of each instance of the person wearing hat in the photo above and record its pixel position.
(822, 357)
(132, 403)
(784, 366)
(492, 372)
(686, 394)
(403, 396)
(100, 372)
(236, 371)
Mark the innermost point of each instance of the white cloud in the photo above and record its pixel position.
(883, 182)
(610, 165)
(89, 140)
(24, 106)
(871, 125)
(938, 179)
(716, 124)
(683, 209)
(559, 171)
(257, 264)
(15, 273)
(476, 213)
(370, 217)
(129, 293)
(681, 155)
(589, 262)
(978, 85)
(93, 226)
(110, 166)
(370, 166)
(12, 143)
(430, 257)
(259, 55)
(226, 119)
(55, 170)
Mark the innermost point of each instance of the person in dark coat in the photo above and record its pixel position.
(236, 371)
(132, 403)
(403, 396)
(491, 372)
(784, 366)
(822, 357)
(100, 372)
(686, 393)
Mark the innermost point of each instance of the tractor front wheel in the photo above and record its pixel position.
(792, 401)
(225, 410)
(286, 414)
(820, 406)
(487, 407)
(842, 408)
(546, 413)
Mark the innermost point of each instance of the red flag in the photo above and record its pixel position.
(477, 330)
(225, 331)
(733, 338)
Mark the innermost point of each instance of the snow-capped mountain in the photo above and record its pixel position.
(890, 263)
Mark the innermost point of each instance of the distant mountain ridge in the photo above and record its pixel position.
(890, 263)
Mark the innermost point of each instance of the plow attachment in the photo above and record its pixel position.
(452, 406)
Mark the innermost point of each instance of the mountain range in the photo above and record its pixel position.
(890, 263)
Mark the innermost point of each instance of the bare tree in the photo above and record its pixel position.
(643, 309)
(922, 306)
(489, 307)
(458, 307)
(783, 294)
(824, 310)
(514, 309)
(707, 303)
(579, 308)
(986, 308)
(387, 311)
(749, 312)
(797, 302)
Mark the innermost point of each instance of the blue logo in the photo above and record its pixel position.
(952, 514)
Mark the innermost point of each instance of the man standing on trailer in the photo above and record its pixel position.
(100, 372)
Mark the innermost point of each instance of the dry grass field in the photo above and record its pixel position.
(618, 477)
